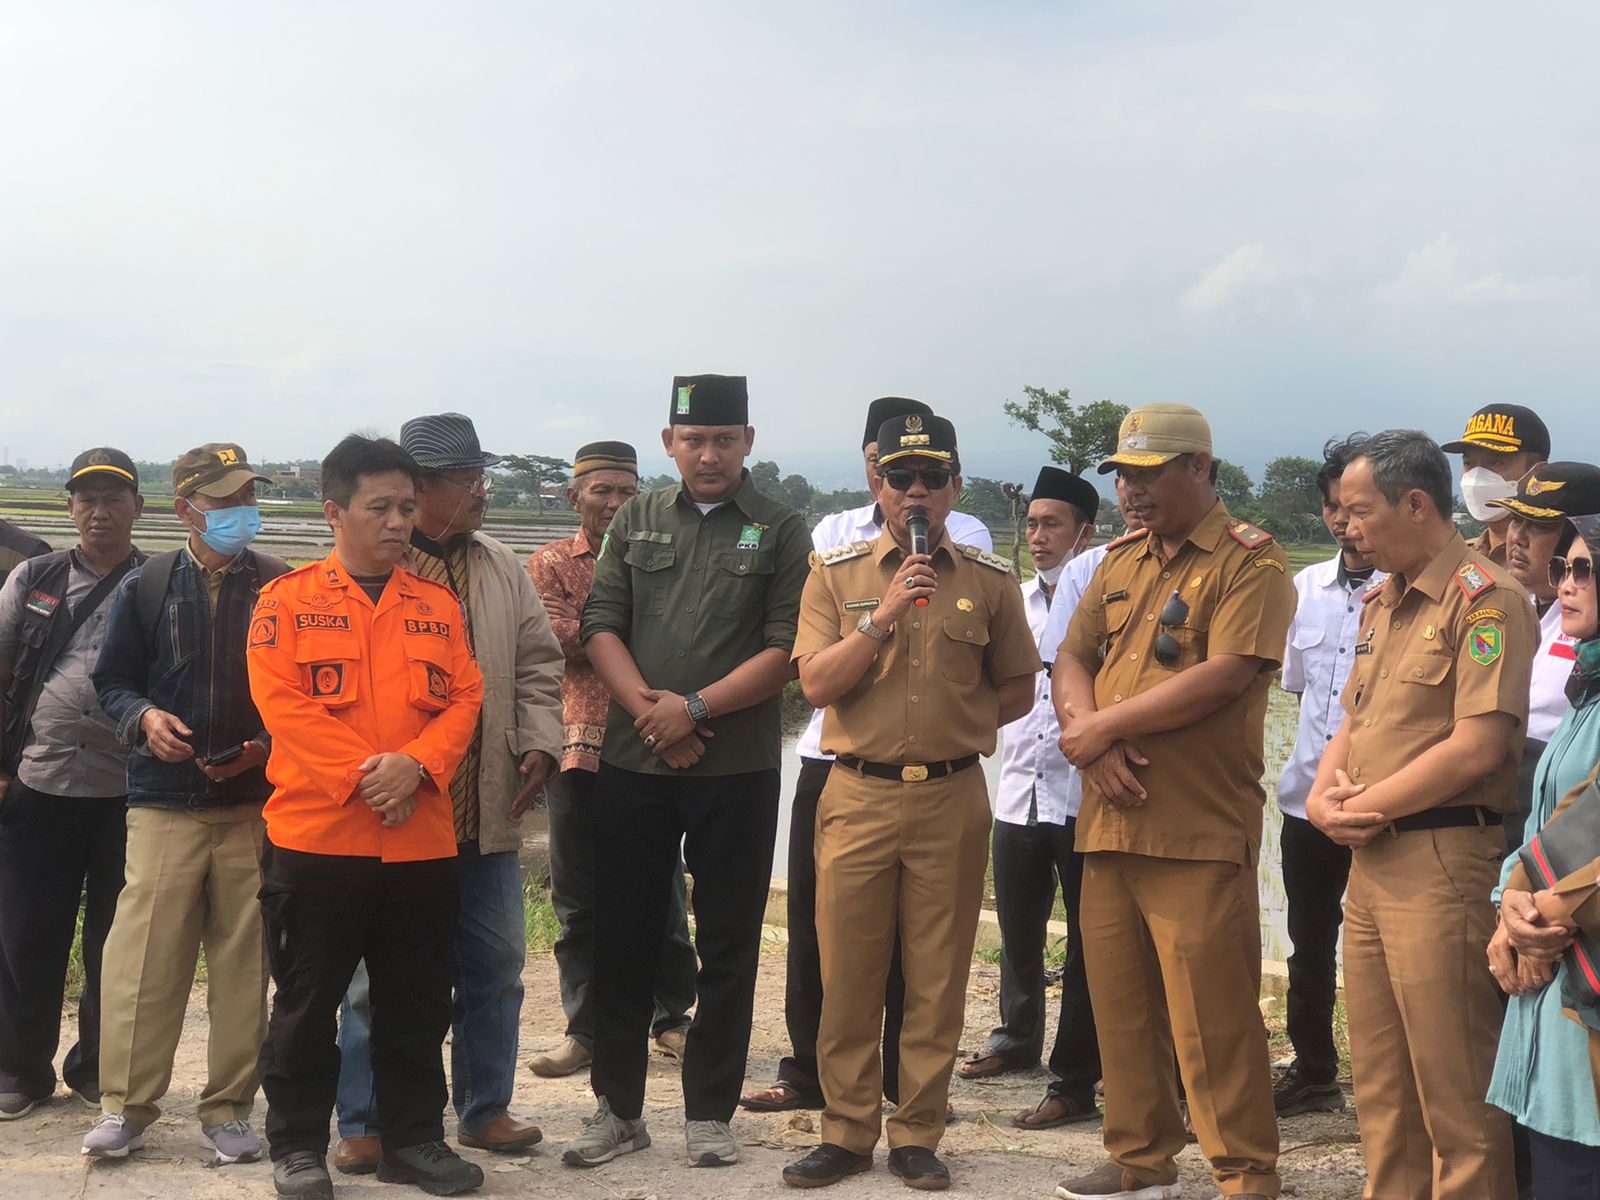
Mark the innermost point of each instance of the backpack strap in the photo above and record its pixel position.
(150, 592)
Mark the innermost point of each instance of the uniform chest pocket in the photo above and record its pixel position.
(429, 677)
(652, 563)
(1307, 636)
(330, 669)
(1423, 702)
(962, 649)
(742, 573)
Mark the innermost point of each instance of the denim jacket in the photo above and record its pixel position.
(196, 671)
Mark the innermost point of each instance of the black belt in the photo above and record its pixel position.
(1447, 818)
(906, 772)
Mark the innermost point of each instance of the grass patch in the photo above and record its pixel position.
(539, 918)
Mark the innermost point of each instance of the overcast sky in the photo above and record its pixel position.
(274, 223)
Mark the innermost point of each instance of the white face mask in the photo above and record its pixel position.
(1052, 574)
(1481, 485)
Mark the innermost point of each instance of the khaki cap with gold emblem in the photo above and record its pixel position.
(1153, 434)
(216, 469)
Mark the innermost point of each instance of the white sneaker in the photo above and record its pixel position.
(605, 1135)
(711, 1144)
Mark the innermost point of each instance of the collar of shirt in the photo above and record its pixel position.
(579, 545)
(205, 571)
(885, 546)
(1432, 579)
(333, 574)
(748, 499)
(1352, 582)
(1207, 535)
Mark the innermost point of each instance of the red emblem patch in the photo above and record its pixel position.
(327, 679)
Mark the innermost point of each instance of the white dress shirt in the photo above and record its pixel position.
(1070, 587)
(1552, 667)
(1316, 663)
(1032, 766)
(861, 525)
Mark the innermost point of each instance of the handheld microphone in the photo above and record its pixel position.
(917, 527)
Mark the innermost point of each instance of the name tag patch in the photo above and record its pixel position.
(860, 605)
(42, 603)
(321, 620)
(433, 628)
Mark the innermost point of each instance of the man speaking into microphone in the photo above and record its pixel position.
(918, 649)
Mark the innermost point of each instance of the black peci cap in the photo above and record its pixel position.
(709, 400)
(886, 408)
(1553, 491)
(1506, 428)
(1055, 484)
(927, 436)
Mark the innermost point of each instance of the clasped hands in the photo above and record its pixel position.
(1534, 933)
(1330, 810)
(1090, 742)
(669, 731)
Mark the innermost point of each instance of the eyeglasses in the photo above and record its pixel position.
(480, 482)
(901, 478)
(1174, 613)
(1581, 570)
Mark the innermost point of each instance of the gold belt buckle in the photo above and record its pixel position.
(915, 773)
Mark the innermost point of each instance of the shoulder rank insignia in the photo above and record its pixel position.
(1249, 535)
(1373, 593)
(841, 554)
(985, 557)
(1473, 580)
(1135, 536)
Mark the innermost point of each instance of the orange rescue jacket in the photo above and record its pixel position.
(337, 680)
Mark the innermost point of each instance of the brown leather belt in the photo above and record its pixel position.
(906, 772)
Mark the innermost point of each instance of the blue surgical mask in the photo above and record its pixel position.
(230, 530)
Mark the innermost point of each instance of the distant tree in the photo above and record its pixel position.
(1290, 505)
(767, 478)
(1235, 488)
(656, 482)
(797, 492)
(7, 469)
(1080, 435)
(986, 499)
(838, 501)
(532, 472)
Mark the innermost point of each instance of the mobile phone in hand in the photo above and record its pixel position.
(223, 757)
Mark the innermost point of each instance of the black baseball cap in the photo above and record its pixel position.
(92, 465)
(1505, 428)
(1553, 491)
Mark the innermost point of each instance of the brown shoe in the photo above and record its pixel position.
(503, 1135)
(1111, 1182)
(357, 1155)
(671, 1043)
(565, 1059)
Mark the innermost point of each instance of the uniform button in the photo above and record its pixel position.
(1166, 574)
(1335, 693)
(1396, 625)
(1350, 608)
(680, 653)
(912, 738)
(744, 567)
(1356, 773)
(1149, 616)
(696, 566)
(1367, 721)
(689, 609)
(969, 633)
(1418, 672)
(1118, 699)
(916, 662)
(1384, 674)
(1041, 774)
(913, 699)
(1041, 737)
(916, 624)
(1341, 649)
(1133, 657)
(1327, 737)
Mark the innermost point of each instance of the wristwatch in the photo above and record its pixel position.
(698, 712)
(866, 626)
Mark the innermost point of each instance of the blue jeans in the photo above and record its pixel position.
(486, 963)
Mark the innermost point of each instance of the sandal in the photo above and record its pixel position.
(1068, 1112)
(983, 1065)
(780, 1097)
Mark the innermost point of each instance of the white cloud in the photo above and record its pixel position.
(1443, 274)
(1248, 271)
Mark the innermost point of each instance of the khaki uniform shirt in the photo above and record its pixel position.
(1480, 546)
(931, 695)
(1205, 797)
(1456, 642)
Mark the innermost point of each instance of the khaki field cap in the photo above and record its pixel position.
(217, 469)
(1153, 434)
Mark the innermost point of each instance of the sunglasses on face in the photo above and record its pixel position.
(901, 478)
(1173, 613)
(1581, 570)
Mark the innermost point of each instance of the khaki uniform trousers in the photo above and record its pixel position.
(907, 857)
(192, 879)
(1425, 1016)
(1173, 953)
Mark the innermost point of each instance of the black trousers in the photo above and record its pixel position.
(1564, 1170)
(1315, 871)
(1029, 862)
(324, 913)
(55, 852)
(802, 999)
(726, 825)
(570, 799)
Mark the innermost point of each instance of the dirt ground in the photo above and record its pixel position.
(39, 1155)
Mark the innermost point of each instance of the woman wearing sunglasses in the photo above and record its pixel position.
(1542, 1073)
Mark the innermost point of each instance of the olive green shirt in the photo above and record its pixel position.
(693, 597)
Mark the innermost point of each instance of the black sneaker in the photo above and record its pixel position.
(432, 1166)
(825, 1165)
(302, 1175)
(919, 1168)
(1295, 1093)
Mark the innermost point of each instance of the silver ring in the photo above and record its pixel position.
(650, 741)
(910, 582)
